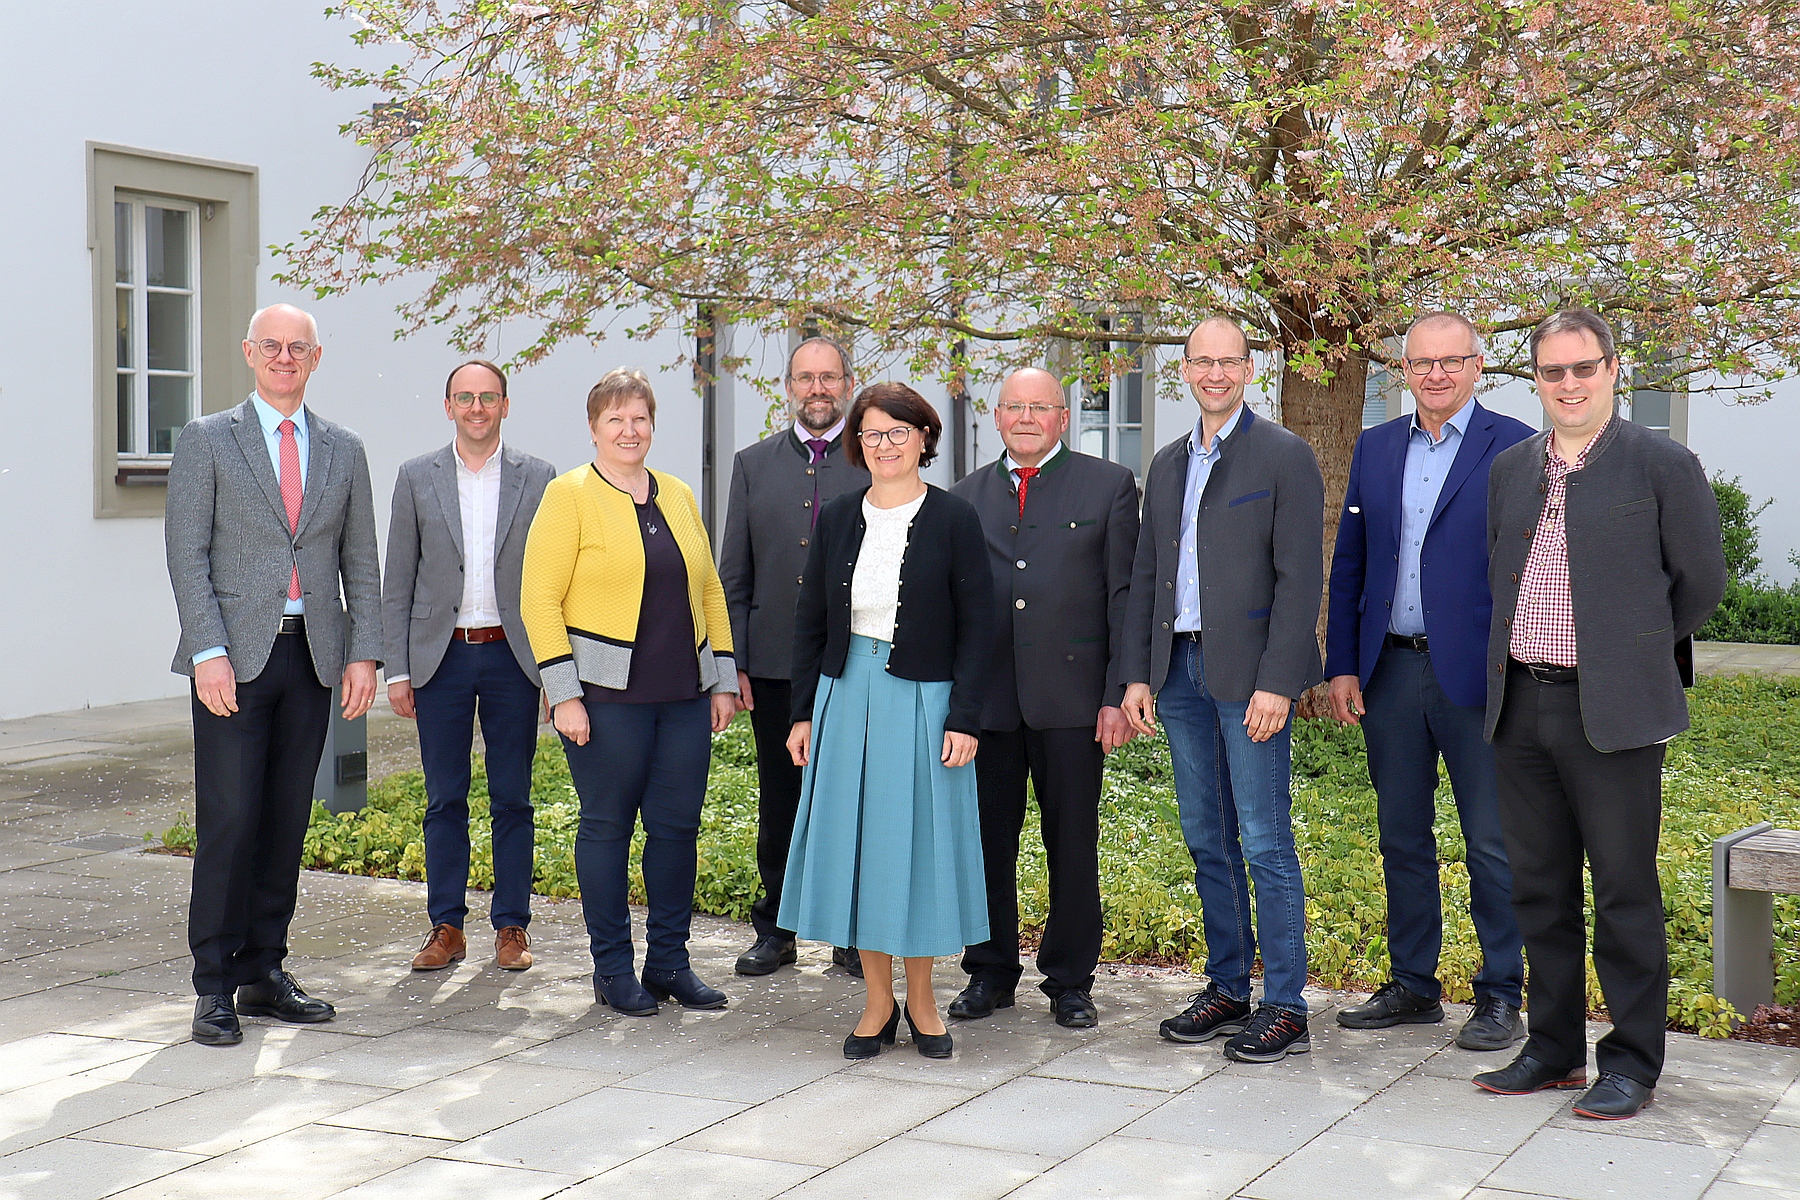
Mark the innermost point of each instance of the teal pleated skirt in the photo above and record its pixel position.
(886, 853)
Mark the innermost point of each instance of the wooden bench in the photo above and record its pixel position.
(1749, 866)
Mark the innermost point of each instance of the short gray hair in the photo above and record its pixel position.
(1574, 320)
(820, 340)
(250, 329)
(1444, 316)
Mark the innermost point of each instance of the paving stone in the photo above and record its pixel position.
(1051, 1117)
(444, 1179)
(1444, 1112)
(70, 1104)
(595, 1132)
(401, 1060)
(1351, 1166)
(461, 1106)
(1787, 1109)
(984, 1057)
(827, 1122)
(1770, 1159)
(905, 1166)
(1719, 1113)
(632, 1045)
(1730, 1062)
(265, 1049)
(54, 1055)
(1126, 1168)
(1135, 1055)
(308, 1163)
(67, 1169)
(750, 1069)
(1239, 1112)
(223, 1119)
(1598, 1166)
(1744, 1191)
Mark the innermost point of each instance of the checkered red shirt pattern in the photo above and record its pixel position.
(1543, 629)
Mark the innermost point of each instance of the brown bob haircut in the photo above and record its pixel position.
(899, 402)
(616, 387)
(485, 365)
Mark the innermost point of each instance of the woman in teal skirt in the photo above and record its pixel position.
(892, 639)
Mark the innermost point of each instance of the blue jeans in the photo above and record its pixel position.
(649, 759)
(1408, 724)
(1234, 801)
(489, 674)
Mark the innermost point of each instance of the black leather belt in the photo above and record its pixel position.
(1188, 635)
(1408, 641)
(295, 623)
(1549, 672)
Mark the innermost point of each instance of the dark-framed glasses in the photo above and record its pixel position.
(1453, 364)
(1013, 408)
(1205, 362)
(270, 348)
(470, 399)
(899, 435)
(1553, 372)
(829, 379)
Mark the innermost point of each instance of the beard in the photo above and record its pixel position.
(820, 413)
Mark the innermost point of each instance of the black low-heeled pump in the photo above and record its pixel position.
(856, 1047)
(931, 1045)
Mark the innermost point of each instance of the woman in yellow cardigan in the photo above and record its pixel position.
(627, 621)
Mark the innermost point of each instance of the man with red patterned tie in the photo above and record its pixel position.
(269, 519)
(1061, 530)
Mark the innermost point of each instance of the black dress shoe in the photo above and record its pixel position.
(770, 952)
(857, 1047)
(1075, 1009)
(1208, 1014)
(847, 958)
(1613, 1097)
(1494, 1025)
(980, 999)
(931, 1045)
(624, 993)
(278, 995)
(1526, 1074)
(216, 1022)
(687, 988)
(1394, 1004)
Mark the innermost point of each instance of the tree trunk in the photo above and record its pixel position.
(1328, 414)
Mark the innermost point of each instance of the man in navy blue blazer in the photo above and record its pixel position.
(1406, 651)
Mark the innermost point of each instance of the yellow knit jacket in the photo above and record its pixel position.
(583, 584)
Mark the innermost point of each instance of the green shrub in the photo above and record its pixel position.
(1754, 610)
(1739, 764)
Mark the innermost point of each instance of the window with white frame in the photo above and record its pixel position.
(156, 267)
(1110, 423)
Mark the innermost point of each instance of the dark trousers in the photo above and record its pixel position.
(778, 798)
(1409, 723)
(1562, 800)
(253, 777)
(648, 759)
(482, 678)
(1064, 767)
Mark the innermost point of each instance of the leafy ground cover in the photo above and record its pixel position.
(1739, 764)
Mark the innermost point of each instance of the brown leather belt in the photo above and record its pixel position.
(475, 637)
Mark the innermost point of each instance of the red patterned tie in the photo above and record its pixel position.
(291, 493)
(1026, 475)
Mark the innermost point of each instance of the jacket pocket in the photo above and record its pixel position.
(1257, 614)
(1262, 495)
(1362, 604)
(421, 611)
(1633, 507)
(1080, 641)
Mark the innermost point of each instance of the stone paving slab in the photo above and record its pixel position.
(478, 1083)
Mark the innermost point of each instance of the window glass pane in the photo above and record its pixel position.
(122, 335)
(168, 410)
(1131, 449)
(126, 424)
(1093, 441)
(168, 329)
(166, 247)
(122, 242)
(1133, 388)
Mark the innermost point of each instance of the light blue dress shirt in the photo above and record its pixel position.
(1427, 464)
(1201, 458)
(270, 418)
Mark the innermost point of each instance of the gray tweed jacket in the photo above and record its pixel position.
(230, 554)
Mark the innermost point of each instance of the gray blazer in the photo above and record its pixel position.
(768, 528)
(1062, 576)
(1646, 568)
(230, 555)
(1260, 539)
(423, 586)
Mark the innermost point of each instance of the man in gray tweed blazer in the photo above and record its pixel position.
(1224, 603)
(270, 536)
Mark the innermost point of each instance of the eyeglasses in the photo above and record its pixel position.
(829, 379)
(1206, 363)
(470, 399)
(1583, 370)
(1014, 409)
(297, 350)
(899, 435)
(1453, 364)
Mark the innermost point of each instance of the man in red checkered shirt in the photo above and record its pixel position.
(1604, 555)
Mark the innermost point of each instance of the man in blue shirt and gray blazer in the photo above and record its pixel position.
(1406, 648)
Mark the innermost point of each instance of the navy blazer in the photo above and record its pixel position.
(1453, 563)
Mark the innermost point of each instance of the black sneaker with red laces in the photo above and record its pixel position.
(1272, 1035)
(1210, 1014)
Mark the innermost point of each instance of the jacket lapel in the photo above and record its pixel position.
(512, 490)
(250, 439)
(443, 483)
(1477, 437)
(1388, 473)
(318, 468)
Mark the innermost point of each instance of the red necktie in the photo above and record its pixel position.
(291, 493)
(1026, 475)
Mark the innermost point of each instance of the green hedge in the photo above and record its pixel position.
(1739, 764)
(1755, 611)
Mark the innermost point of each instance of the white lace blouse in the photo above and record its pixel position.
(875, 584)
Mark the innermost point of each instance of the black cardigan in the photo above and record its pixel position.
(944, 630)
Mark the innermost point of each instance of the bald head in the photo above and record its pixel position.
(1031, 385)
(1217, 323)
(285, 314)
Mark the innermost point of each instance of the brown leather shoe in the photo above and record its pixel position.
(442, 947)
(510, 953)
